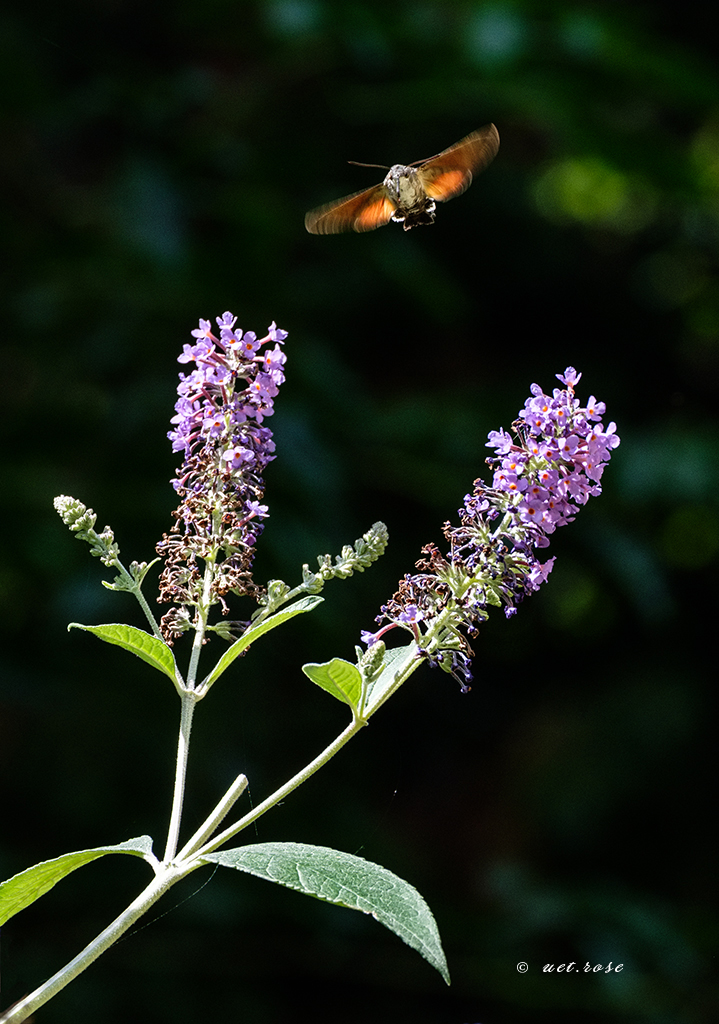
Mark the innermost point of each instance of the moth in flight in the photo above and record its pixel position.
(409, 194)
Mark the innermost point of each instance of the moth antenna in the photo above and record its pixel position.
(382, 167)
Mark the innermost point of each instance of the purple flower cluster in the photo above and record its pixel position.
(542, 475)
(561, 459)
(222, 403)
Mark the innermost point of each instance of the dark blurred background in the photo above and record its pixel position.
(157, 162)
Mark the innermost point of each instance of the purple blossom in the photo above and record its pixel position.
(222, 402)
(276, 333)
(541, 477)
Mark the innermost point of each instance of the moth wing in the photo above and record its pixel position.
(450, 173)
(362, 211)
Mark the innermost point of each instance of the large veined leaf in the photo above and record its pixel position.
(29, 885)
(137, 641)
(347, 880)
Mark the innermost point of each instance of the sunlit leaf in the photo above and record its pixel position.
(21, 890)
(338, 677)
(305, 604)
(396, 659)
(348, 881)
(137, 641)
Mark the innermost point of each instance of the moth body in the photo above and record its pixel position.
(406, 191)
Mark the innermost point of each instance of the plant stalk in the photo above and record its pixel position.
(151, 894)
(183, 748)
(327, 754)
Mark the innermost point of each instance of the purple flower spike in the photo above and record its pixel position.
(542, 476)
(222, 403)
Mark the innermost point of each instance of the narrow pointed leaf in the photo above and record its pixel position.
(347, 880)
(137, 641)
(339, 677)
(305, 604)
(21, 890)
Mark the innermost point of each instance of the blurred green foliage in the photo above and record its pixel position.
(157, 164)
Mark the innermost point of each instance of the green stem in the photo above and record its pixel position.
(213, 820)
(183, 748)
(148, 613)
(189, 699)
(327, 754)
(151, 894)
(203, 611)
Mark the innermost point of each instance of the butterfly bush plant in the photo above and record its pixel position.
(542, 473)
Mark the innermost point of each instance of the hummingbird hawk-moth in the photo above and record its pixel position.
(409, 194)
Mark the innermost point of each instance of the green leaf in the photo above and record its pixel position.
(347, 880)
(138, 642)
(21, 890)
(396, 661)
(339, 677)
(305, 604)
